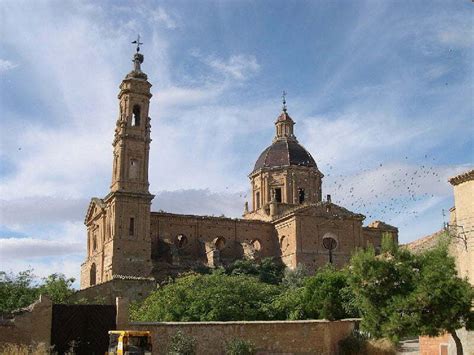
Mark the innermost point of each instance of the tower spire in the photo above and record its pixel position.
(283, 96)
(137, 42)
(137, 61)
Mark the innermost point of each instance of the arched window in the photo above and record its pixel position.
(136, 116)
(301, 195)
(257, 245)
(133, 170)
(181, 241)
(219, 243)
(283, 243)
(92, 275)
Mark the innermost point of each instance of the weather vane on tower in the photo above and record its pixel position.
(283, 96)
(137, 42)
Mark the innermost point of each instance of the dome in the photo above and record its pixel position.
(284, 152)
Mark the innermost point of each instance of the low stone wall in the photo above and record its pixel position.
(270, 337)
(29, 326)
(276, 337)
(107, 292)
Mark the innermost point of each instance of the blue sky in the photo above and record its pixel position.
(381, 92)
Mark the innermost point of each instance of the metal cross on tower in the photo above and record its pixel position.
(283, 96)
(137, 42)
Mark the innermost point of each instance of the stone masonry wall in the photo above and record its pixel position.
(270, 337)
(107, 292)
(31, 325)
(276, 337)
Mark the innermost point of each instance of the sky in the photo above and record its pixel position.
(381, 92)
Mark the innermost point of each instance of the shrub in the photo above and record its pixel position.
(240, 347)
(182, 344)
(353, 344)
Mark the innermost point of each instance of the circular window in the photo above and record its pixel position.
(329, 243)
(256, 245)
(181, 241)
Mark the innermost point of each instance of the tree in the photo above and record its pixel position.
(327, 295)
(268, 270)
(57, 287)
(379, 284)
(17, 291)
(22, 289)
(441, 301)
(215, 297)
(401, 294)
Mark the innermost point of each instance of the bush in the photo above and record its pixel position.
(354, 344)
(182, 344)
(240, 347)
(215, 297)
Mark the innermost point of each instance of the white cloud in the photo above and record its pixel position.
(160, 15)
(6, 65)
(32, 248)
(237, 67)
(42, 210)
(201, 202)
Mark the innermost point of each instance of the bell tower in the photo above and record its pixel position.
(129, 199)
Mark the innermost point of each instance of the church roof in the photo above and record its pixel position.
(464, 177)
(282, 153)
(322, 209)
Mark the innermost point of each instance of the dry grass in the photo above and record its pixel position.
(20, 349)
(380, 347)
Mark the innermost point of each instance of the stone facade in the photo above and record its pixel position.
(288, 218)
(461, 224)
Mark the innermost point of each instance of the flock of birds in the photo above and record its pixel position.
(384, 191)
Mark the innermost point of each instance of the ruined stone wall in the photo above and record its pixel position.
(29, 326)
(106, 293)
(186, 239)
(286, 232)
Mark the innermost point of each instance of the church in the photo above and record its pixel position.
(287, 219)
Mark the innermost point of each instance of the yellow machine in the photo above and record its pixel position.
(129, 342)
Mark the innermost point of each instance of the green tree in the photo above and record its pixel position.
(327, 294)
(57, 287)
(289, 304)
(268, 270)
(215, 297)
(379, 283)
(440, 302)
(402, 294)
(22, 289)
(295, 277)
(17, 291)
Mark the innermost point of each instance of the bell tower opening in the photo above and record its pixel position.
(301, 195)
(136, 116)
(277, 194)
